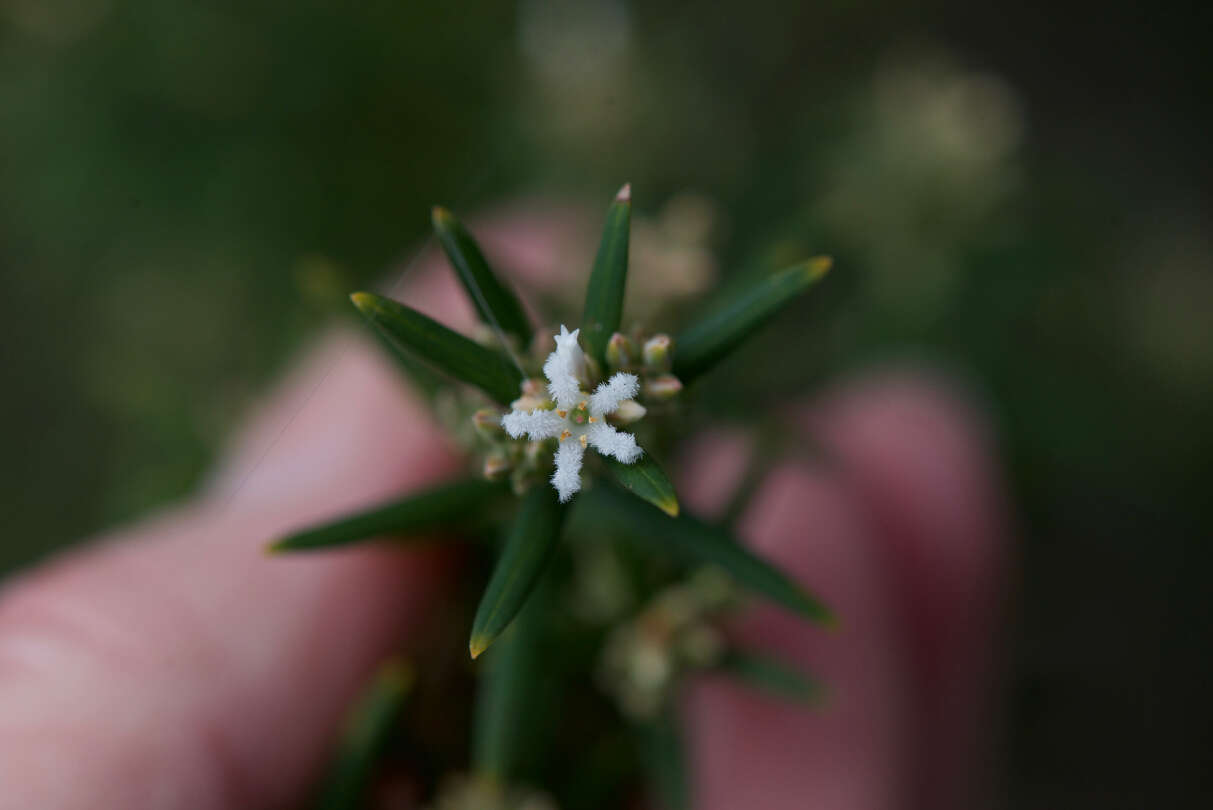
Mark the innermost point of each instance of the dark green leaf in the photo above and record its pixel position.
(696, 541)
(365, 737)
(420, 377)
(772, 676)
(665, 760)
(526, 553)
(644, 479)
(512, 690)
(442, 348)
(495, 303)
(417, 512)
(604, 293)
(724, 328)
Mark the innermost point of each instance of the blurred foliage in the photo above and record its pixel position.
(1018, 195)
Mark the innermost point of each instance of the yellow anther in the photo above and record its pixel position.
(562, 414)
(583, 440)
(593, 419)
(565, 435)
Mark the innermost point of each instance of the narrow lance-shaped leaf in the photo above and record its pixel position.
(723, 329)
(695, 541)
(420, 377)
(495, 303)
(414, 513)
(369, 729)
(511, 689)
(526, 553)
(645, 479)
(771, 675)
(446, 350)
(604, 293)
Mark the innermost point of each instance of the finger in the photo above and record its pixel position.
(175, 665)
(919, 481)
(920, 459)
(752, 750)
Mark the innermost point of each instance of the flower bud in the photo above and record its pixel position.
(662, 388)
(497, 467)
(620, 352)
(534, 397)
(487, 422)
(534, 387)
(629, 411)
(657, 351)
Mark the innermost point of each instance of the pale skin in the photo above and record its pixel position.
(173, 665)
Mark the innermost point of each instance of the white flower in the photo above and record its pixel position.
(577, 420)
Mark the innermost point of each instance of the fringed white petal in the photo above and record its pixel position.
(562, 382)
(533, 424)
(564, 368)
(611, 393)
(610, 442)
(567, 477)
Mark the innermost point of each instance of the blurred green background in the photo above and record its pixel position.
(1019, 193)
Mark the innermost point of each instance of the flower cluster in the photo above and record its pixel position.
(574, 418)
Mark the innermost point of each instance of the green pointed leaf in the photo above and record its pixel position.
(526, 553)
(723, 329)
(419, 376)
(698, 542)
(442, 348)
(495, 303)
(604, 293)
(645, 479)
(414, 513)
(771, 675)
(366, 735)
(512, 689)
(665, 760)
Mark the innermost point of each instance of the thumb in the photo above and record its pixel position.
(173, 664)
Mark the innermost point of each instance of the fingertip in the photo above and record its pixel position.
(753, 750)
(919, 454)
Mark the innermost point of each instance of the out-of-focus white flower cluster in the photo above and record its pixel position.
(926, 173)
(643, 658)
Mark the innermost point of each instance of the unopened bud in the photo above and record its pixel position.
(488, 423)
(534, 397)
(620, 352)
(629, 411)
(662, 388)
(657, 351)
(497, 467)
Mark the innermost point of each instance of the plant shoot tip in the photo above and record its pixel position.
(818, 266)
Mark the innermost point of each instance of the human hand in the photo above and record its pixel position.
(172, 665)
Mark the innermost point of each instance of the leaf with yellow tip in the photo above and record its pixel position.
(697, 542)
(514, 687)
(413, 514)
(444, 349)
(708, 340)
(528, 547)
(608, 280)
(646, 480)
